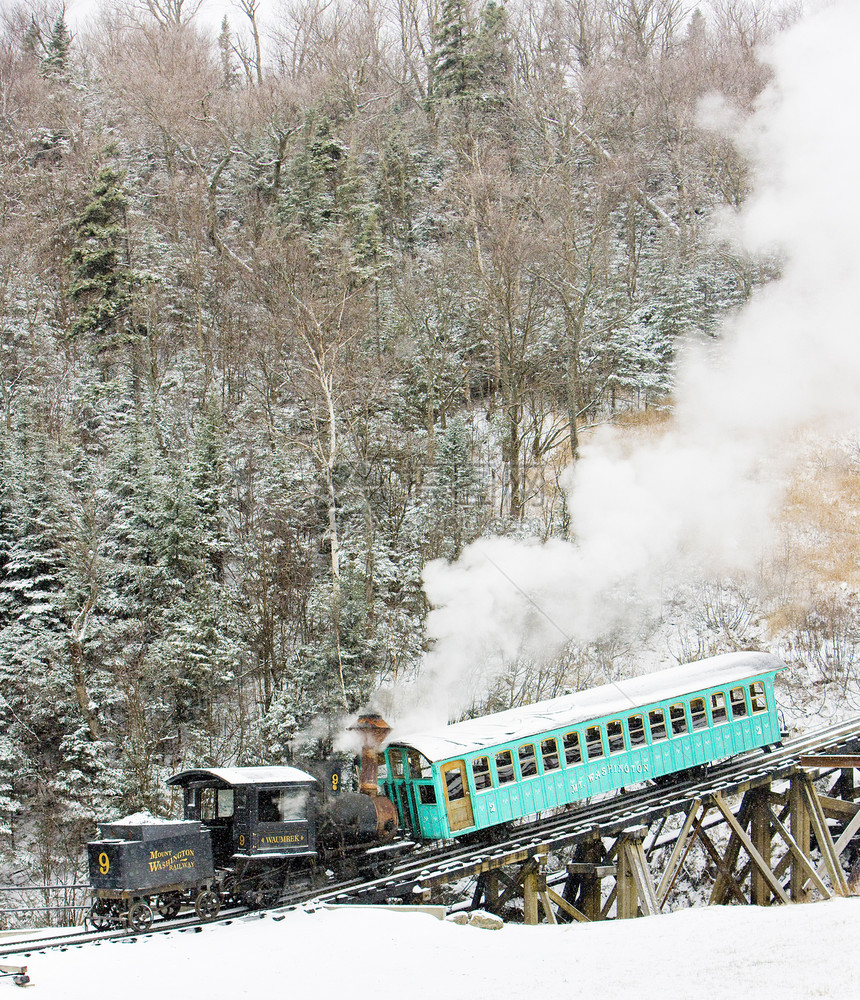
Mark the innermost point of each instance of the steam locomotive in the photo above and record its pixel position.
(249, 832)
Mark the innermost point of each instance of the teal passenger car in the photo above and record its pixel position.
(476, 774)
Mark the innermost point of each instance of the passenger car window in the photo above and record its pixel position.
(572, 750)
(549, 754)
(719, 713)
(698, 715)
(481, 773)
(636, 730)
(382, 764)
(505, 766)
(678, 719)
(528, 761)
(739, 703)
(419, 767)
(757, 697)
(593, 742)
(454, 784)
(615, 736)
(657, 722)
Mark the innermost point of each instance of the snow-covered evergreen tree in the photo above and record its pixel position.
(102, 279)
(55, 64)
(456, 73)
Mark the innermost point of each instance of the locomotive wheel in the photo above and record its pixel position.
(207, 904)
(100, 915)
(230, 890)
(263, 892)
(169, 904)
(140, 917)
(270, 891)
(378, 868)
(385, 866)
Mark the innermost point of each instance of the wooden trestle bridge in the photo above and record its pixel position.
(787, 818)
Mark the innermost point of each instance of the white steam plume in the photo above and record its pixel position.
(705, 493)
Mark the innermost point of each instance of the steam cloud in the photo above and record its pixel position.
(704, 495)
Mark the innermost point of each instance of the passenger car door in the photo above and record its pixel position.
(457, 797)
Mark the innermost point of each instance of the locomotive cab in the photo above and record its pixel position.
(252, 812)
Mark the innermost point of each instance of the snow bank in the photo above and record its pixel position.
(722, 952)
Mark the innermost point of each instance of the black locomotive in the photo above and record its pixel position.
(247, 833)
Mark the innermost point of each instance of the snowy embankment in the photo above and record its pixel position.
(721, 952)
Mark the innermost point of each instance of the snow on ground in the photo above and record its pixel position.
(719, 952)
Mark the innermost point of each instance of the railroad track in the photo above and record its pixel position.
(75, 938)
(613, 814)
(433, 865)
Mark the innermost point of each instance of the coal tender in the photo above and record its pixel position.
(140, 863)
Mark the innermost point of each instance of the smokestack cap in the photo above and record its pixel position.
(373, 726)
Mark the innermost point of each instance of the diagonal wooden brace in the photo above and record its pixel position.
(799, 856)
(756, 858)
(730, 859)
(567, 906)
(830, 859)
(679, 852)
(733, 885)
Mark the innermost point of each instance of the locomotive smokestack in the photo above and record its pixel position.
(373, 729)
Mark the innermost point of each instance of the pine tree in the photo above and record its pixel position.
(456, 73)
(453, 511)
(335, 670)
(207, 474)
(229, 76)
(102, 279)
(41, 704)
(55, 64)
(35, 533)
(317, 171)
(492, 53)
(202, 653)
(10, 769)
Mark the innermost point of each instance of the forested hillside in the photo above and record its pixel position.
(285, 315)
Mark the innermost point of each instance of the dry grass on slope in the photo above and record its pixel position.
(820, 525)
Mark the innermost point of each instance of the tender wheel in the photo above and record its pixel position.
(140, 916)
(207, 904)
(100, 915)
(169, 904)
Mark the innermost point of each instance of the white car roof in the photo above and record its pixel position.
(475, 735)
(231, 777)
